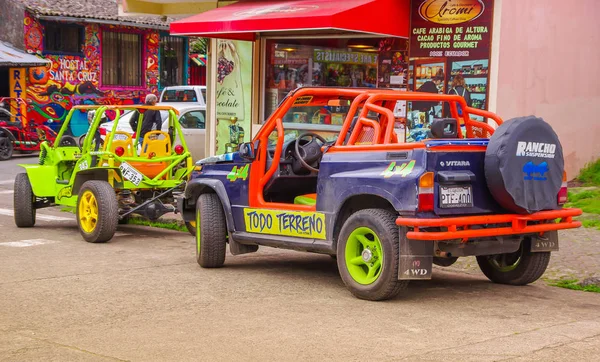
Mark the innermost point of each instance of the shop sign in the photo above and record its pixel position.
(17, 90)
(451, 28)
(73, 70)
(336, 56)
(278, 9)
(233, 93)
(451, 12)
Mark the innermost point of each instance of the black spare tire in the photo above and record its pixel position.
(524, 165)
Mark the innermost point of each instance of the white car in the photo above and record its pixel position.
(192, 119)
(182, 95)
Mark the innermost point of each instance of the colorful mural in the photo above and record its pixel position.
(75, 80)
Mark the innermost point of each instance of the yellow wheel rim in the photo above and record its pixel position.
(193, 224)
(88, 212)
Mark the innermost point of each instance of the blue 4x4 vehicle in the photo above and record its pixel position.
(329, 173)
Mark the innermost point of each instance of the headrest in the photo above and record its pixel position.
(444, 128)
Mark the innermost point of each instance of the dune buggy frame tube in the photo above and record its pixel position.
(459, 227)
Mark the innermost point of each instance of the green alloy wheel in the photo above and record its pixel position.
(364, 255)
(368, 248)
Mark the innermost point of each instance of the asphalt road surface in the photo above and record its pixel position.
(142, 297)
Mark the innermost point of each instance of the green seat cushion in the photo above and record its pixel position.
(304, 200)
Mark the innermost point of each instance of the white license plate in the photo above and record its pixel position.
(131, 174)
(456, 196)
(120, 137)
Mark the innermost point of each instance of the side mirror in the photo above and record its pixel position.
(247, 151)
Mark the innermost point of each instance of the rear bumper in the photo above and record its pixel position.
(487, 225)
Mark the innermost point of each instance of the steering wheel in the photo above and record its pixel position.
(310, 152)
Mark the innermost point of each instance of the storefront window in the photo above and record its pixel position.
(121, 59)
(172, 51)
(341, 62)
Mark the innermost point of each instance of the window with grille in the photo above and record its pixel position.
(172, 56)
(63, 38)
(121, 59)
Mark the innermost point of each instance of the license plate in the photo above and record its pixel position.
(120, 137)
(130, 173)
(456, 196)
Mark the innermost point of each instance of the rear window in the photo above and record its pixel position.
(173, 95)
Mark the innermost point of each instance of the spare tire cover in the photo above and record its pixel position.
(524, 165)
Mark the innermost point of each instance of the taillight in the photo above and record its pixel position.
(563, 194)
(152, 155)
(426, 182)
(119, 151)
(179, 149)
(102, 131)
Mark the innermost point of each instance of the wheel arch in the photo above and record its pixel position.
(7, 133)
(197, 187)
(99, 174)
(354, 203)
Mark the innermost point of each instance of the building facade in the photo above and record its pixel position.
(97, 57)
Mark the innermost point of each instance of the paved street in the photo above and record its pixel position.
(142, 297)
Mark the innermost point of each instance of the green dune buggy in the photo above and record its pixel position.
(106, 178)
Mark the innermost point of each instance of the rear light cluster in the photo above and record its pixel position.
(119, 151)
(179, 149)
(426, 182)
(563, 193)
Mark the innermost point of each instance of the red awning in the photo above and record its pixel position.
(242, 20)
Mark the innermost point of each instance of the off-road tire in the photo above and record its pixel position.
(24, 211)
(7, 152)
(68, 141)
(108, 211)
(211, 231)
(387, 285)
(529, 269)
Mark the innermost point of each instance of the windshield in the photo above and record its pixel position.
(319, 115)
(179, 95)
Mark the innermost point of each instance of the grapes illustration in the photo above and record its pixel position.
(224, 68)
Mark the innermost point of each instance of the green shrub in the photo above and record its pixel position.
(590, 174)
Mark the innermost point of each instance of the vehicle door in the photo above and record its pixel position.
(193, 127)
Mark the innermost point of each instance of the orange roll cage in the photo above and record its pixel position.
(380, 101)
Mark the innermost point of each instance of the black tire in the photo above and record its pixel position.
(24, 211)
(191, 228)
(382, 223)
(107, 217)
(444, 262)
(211, 235)
(68, 141)
(529, 268)
(81, 139)
(6, 148)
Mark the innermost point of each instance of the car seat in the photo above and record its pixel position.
(156, 144)
(124, 141)
(308, 199)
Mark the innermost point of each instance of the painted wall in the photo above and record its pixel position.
(76, 80)
(548, 67)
